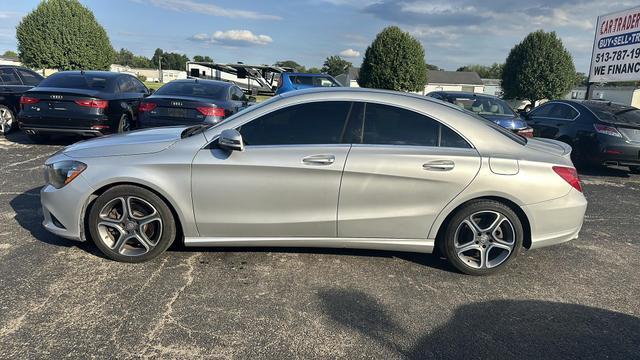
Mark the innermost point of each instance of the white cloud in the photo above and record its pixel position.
(350, 53)
(208, 9)
(233, 38)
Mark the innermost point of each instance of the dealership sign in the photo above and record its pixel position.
(616, 49)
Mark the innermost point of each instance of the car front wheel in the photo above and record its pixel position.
(131, 224)
(482, 237)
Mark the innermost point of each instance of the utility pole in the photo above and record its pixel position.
(160, 68)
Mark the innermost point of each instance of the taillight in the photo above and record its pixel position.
(607, 130)
(24, 100)
(570, 175)
(528, 132)
(97, 104)
(146, 106)
(211, 111)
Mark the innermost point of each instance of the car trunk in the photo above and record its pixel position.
(64, 107)
(175, 110)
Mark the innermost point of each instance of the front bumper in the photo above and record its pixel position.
(556, 221)
(63, 208)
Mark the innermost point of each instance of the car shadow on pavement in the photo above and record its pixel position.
(429, 260)
(505, 329)
(19, 137)
(28, 214)
(606, 171)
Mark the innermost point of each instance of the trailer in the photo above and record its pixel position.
(252, 79)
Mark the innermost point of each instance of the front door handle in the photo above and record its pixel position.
(439, 165)
(319, 160)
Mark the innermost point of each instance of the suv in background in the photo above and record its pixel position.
(14, 81)
(296, 81)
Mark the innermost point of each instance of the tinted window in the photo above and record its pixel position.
(562, 111)
(9, 77)
(448, 138)
(29, 77)
(76, 81)
(197, 89)
(542, 111)
(316, 81)
(126, 85)
(481, 105)
(615, 113)
(388, 125)
(311, 123)
(140, 88)
(237, 94)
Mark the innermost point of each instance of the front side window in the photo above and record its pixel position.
(310, 123)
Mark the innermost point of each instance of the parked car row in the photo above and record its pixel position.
(94, 103)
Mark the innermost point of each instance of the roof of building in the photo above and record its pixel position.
(453, 77)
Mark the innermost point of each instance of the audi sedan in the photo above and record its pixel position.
(340, 168)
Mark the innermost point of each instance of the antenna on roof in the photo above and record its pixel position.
(82, 72)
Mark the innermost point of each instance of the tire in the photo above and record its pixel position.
(7, 119)
(500, 243)
(124, 124)
(634, 169)
(144, 233)
(39, 138)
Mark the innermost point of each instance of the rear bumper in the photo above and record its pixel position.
(91, 125)
(614, 151)
(556, 221)
(84, 132)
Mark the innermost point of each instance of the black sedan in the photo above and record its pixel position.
(14, 81)
(87, 103)
(192, 101)
(600, 132)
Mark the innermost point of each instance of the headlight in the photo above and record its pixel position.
(61, 173)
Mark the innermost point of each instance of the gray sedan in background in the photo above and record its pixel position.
(352, 168)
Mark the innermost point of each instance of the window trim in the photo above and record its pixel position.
(557, 118)
(16, 75)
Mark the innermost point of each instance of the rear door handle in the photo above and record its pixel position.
(319, 159)
(439, 165)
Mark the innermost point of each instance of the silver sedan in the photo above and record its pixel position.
(352, 168)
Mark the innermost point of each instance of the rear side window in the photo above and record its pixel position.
(29, 77)
(196, 89)
(9, 77)
(77, 81)
(390, 125)
(315, 81)
(310, 123)
(125, 85)
(562, 111)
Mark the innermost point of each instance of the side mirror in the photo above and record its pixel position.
(151, 91)
(231, 140)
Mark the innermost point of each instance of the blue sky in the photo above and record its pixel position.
(453, 32)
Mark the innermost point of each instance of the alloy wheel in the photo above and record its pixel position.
(484, 240)
(130, 225)
(6, 120)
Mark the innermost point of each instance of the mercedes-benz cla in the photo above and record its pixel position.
(351, 168)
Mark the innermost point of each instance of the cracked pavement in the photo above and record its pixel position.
(59, 298)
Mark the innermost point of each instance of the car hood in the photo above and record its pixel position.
(509, 122)
(132, 143)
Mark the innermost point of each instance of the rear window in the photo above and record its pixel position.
(615, 113)
(196, 89)
(77, 81)
(481, 105)
(315, 81)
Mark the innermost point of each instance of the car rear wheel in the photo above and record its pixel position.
(7, 119)
(482, 237)
(131, 224)
(124, 124)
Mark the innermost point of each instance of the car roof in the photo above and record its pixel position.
(205, 81)
(105, 74)
(304, 74)
(15, 67)
(465, 93)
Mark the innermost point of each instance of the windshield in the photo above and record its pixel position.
(76, 81)
(615, 113)
(196, 89)
(481, 105)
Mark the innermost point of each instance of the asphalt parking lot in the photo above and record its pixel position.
(60, 298)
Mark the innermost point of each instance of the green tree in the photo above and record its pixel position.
(395, 61)
(10, 54)
(292, 64)
(141, 62)
(581, 79)
(335, 65)
(539, 67)
(314, 70)
(64, 35)
(170, 61)
(124, 57)
(201, 58)
(493, 71)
